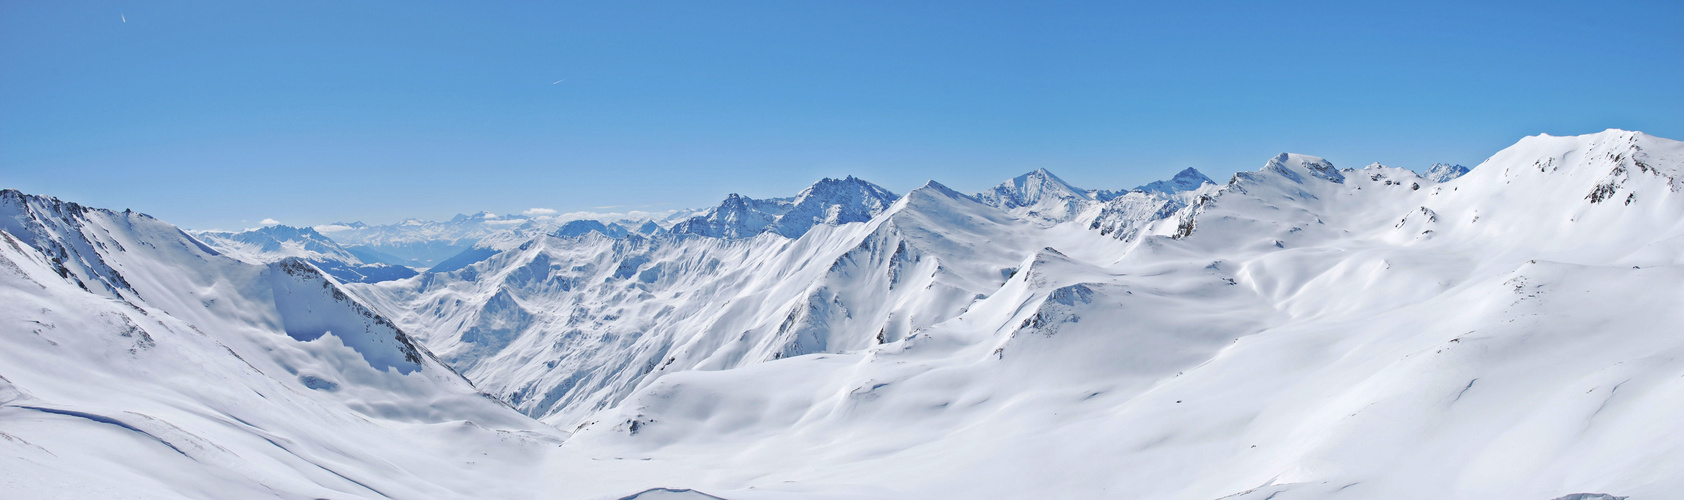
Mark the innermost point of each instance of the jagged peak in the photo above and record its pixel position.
(828, 185)
(1040, 180)
(1442, 172)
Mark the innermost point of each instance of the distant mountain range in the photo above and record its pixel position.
(1302, 330)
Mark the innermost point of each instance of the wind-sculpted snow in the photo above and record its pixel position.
(1300, 331)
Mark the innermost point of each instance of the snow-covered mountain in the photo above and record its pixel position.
(1042, 196)
(828, 202)
(1185, 180)
(1037, 195)
(140, 363)
(273, 243)
(422, 243)
(1443, 172)
(1301, 331)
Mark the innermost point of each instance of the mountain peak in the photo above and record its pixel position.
(1296, 166)
(834, 202)
(828, 201)
(1187, 179)
(1038, 194)
(1441, 172)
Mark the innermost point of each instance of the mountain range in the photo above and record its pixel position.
(1299, 331)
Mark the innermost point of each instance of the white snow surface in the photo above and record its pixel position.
(1300, 332)
(139, 363)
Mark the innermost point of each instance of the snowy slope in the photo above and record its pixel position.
(139, 363)
(274, 243)
(1301, 331)
(561, 325)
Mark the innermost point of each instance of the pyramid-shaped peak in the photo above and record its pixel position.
(1029, 189)
(1039, 176)
(1187, 179)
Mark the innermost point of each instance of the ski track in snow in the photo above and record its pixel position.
(1301, 331)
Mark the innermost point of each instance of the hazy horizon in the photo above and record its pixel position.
(221, 116)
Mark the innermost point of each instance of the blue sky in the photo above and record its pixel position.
(213, 115)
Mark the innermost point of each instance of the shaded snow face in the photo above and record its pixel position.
(310, 306)
(152, 366)
(1301, 331)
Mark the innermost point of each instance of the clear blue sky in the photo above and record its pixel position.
(213, 115)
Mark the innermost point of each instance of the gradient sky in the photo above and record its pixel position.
(212, 115)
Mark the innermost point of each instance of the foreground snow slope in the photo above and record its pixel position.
(139, 363)
(1299, 332)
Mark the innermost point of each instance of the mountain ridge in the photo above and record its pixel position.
(1302, 330)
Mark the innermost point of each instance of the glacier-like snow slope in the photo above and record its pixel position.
(565, 325)
(140, 363)
(273, 243)
(1302, 331)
